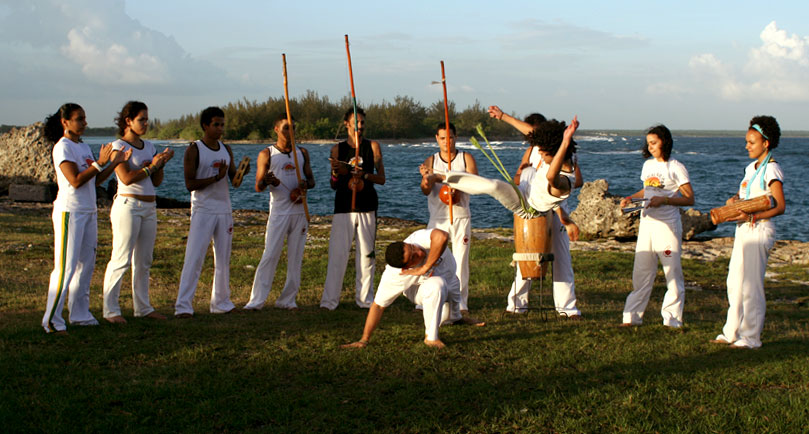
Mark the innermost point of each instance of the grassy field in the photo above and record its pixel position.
(282, 371)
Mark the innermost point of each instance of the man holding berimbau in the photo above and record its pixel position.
(423, 270)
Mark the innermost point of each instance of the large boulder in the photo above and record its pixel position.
(25, 157)
(599, 215)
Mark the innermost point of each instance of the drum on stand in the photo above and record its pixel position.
(532, 241)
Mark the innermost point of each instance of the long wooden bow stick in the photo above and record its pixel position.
(356, 126)
(450, 145)
(292, 137)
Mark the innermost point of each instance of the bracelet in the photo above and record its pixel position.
(147, 172)
(97, 166)
(667, 201)
(365, 176)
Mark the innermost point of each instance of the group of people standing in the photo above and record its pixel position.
(421, 267)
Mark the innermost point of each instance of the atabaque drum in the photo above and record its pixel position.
(533, 237)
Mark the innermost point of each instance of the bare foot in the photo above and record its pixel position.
(627, 324)
(156, 316)
(719, 341)
(468, 320)
(116, 320)
(435, 344)
(358, 344)
(59, 333)
(184, 315)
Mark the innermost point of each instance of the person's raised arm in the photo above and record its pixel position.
(560, 185)
(523, 127)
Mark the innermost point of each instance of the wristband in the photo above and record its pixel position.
(365, 176)
(147, 172)
(97, 166)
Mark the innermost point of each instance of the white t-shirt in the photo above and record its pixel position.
(772, 173)
(282, 165)
(663, 178)
(70, 199)
(393, 283)
(439, 210)
(140, 158)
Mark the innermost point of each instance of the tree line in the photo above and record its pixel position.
(317, 117)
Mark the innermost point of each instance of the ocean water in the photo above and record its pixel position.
(715, 165)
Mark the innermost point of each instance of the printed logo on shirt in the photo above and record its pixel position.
(230, 230)
(356, 161)
(667, 252)
(218, 164)
(653, 181)
(465, 240)
(288, 167)
(744, 185)
(88, 162)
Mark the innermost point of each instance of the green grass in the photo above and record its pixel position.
(283, 371)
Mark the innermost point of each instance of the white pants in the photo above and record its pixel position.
(204, 228)
(74, 252)
(748, 262)
(293, 228)
(343, 228)
(461, 236)
(564, 287)
(657, 240)
(134, 227)
(439, 296)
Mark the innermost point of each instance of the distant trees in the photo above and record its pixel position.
(319, 118)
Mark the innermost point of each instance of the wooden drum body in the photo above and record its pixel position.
(749, 206)
(533, 237)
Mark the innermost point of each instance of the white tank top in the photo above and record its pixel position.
(140, 158)
(439, 210)
(215, 198)
(283, 166)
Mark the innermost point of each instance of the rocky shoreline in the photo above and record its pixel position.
(785, 252)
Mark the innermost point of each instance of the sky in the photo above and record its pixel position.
(617, 65)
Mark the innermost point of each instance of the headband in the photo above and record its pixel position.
(758, 128)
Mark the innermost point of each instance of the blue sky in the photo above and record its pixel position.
(688, 64)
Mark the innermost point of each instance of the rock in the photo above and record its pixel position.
(599, 215)
(26, 157)
(30, 193)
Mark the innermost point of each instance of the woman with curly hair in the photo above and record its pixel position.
(666, 187)
(75, 228)
(133, 215)
(754, 237)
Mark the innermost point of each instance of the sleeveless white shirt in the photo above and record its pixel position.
(282, 165)
(439, 210)
(215, 198)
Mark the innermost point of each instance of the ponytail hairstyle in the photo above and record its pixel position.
(770, 128)
(130, 111)
(53, 123)
(663, 133)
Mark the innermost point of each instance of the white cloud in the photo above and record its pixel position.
(113, 64)
(775, 71)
